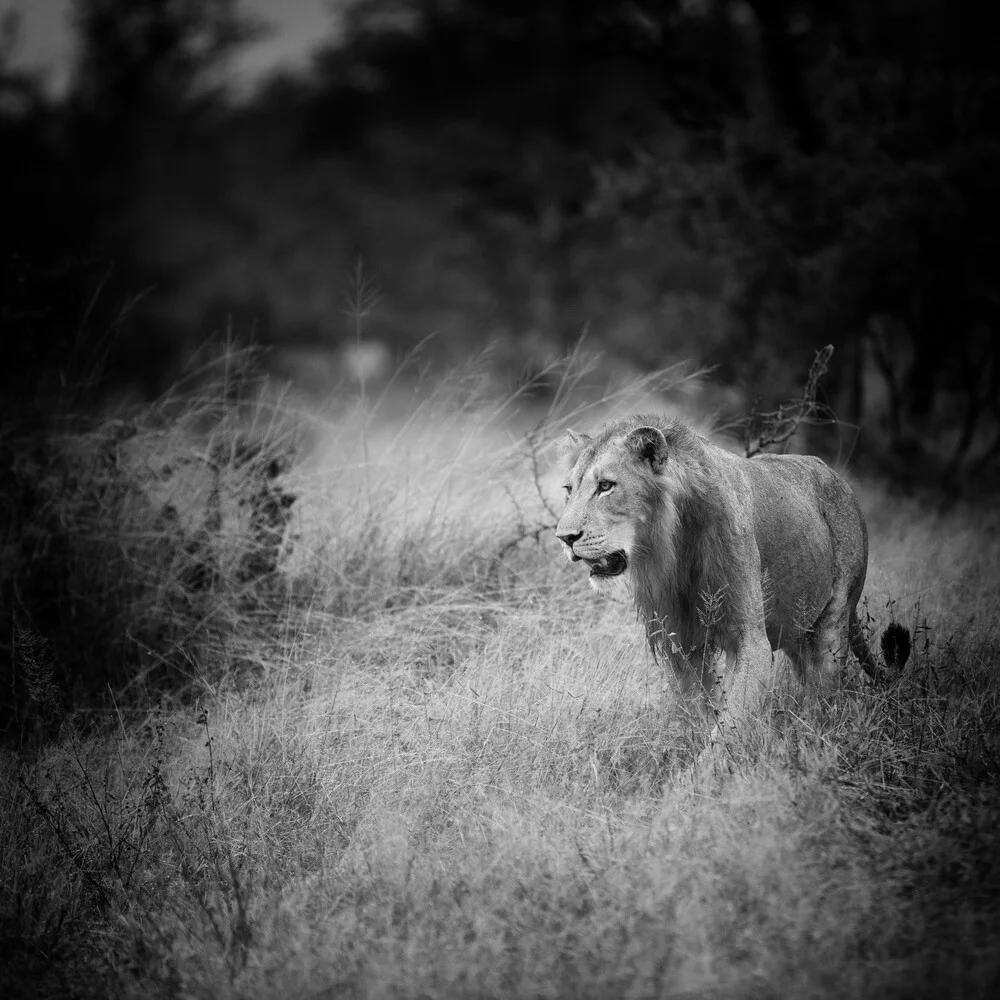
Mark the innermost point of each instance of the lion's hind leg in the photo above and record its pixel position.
(859, 645)
(832, 635)
(838, 628)
(823, 650)
(829, 645)
(837, 632)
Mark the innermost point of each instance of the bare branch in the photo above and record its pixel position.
(775, 427)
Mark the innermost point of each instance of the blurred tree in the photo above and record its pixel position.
(147, 86)
(144, 67)
(833, 160)
(887, 217)
(845, 148)
(515, 60)
(527, 100)
(42, 285)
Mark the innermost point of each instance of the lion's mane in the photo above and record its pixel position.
(682, 579)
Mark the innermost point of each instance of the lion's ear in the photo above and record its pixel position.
(648, 444)
(572, 444)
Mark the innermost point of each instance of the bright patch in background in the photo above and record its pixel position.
(294, 28)
(43, 40)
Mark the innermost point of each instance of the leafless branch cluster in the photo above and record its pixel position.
(763, 430)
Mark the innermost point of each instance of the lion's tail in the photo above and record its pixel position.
(895, 647)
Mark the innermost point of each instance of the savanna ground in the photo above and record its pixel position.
(415, 756)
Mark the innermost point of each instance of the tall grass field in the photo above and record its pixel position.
(310, 704)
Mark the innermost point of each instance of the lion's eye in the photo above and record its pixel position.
(605, 486)
(567, 488)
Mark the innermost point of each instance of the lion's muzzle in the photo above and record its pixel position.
(608, 565)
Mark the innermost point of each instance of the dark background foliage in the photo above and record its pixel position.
(732, 181)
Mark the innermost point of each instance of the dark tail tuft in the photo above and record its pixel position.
(896, 646)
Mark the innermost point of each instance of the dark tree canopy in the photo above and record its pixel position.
(834, 160)
(142, 64)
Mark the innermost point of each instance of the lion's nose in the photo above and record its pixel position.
(568, 540)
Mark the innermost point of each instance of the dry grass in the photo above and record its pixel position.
(421, 759)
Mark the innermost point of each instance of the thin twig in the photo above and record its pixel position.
(780, 425)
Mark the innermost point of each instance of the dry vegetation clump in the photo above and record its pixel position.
(140, 547)
(452, 770)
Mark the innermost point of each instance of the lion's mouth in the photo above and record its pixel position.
(613, 564)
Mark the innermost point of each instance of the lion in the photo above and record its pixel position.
(722, 555)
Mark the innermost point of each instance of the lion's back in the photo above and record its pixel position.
(806, 488)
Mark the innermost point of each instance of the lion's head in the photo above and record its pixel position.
(615, 498)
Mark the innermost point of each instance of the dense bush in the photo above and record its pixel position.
(133, 541)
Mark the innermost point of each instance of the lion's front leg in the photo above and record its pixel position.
(689, 689)
(740, 688)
